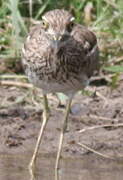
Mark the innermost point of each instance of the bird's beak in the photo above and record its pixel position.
(57, 37)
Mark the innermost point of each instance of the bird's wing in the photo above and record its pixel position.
(85, 36)
(88, 41)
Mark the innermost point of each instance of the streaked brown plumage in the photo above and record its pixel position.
(60, 56)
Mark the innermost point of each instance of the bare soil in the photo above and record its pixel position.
(21, 117)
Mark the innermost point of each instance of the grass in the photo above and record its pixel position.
(104, 17)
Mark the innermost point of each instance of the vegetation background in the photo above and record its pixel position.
(104, 17)
(100, 112)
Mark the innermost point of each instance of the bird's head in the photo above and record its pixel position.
(58, 25)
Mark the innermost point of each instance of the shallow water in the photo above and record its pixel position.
(14, 167)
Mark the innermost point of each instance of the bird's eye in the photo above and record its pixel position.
(70, 26)
(45, 24)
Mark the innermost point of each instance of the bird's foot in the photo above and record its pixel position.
(32, 169)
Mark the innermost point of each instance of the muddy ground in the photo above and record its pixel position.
(20, 120)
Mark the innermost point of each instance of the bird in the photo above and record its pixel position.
(59, 55)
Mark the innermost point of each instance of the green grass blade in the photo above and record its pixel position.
(114, 69)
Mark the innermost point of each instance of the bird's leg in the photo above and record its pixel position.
(43, 125)
(63, 130)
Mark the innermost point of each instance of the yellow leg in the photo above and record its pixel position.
(61, 139)
(45, 119)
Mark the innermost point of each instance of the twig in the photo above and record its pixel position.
(14, 83)
(10, 76)
(30, 8)
(101, 96)
(101, 126)
(94, 151)
(88, 12)
(101, 77)
(101, 118)
(111, 3)
(116, 60)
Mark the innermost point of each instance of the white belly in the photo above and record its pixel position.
(47, 86)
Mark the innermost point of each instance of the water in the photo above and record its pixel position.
(14, 167)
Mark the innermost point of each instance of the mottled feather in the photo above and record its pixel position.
(65, 66)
